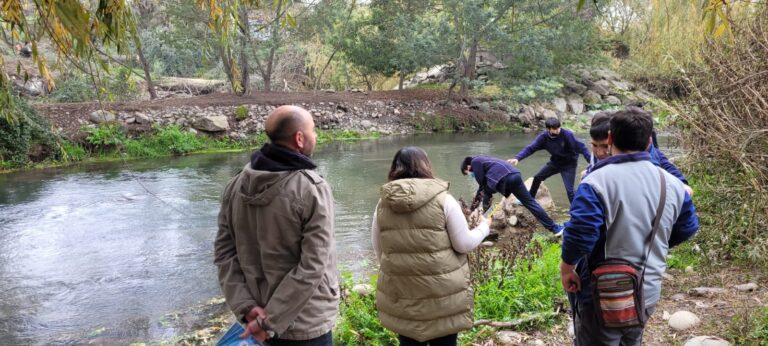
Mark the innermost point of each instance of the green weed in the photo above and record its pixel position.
(241, 113)
(358, 322)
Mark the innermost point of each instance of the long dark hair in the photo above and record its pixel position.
(410, 162)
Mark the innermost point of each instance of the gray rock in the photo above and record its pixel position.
(746, 287)
(706, 291)
(706, 341)
(667, 276)
(548, 113)
(211, 123)
(101, 116)
(586, 76)
(606, 74)
(621, 85)
(362, 289)
(574, 87)
(367, 124)
(678, 297)
(509, 338)
(560, 104)
(613, 100)
(591, 97)
(512, 221)
(575, 104)
(487, 244)
(142, 118)
(683, 320)
(130, 120)
(600, 89)
(665, 316)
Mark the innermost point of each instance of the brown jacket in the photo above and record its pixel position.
(424, 285)
(275, 248)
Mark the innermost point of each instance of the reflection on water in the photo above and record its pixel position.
(122, 244)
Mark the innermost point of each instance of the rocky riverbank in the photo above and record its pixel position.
(386, 112)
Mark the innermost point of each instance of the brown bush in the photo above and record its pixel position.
(725, 127)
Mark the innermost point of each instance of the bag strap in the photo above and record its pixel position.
(656, 219)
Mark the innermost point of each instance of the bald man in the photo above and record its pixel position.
(275, 249)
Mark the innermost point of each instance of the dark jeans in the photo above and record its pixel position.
(567, 173)
(513, 184)
(448, 340)
(589, 332)
(322, 340)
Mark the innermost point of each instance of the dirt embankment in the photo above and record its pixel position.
(385, 111)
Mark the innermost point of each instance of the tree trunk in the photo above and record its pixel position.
(402, 79)
(270, 65)
(145, 66)
(245, 78)
(469, 69)
(319, 76)
(227, 62)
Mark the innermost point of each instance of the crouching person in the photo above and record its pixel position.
(626, 215)
(420, 237)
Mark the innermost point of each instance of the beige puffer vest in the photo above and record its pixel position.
(424, 289)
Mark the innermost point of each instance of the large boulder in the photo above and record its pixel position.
(600, 88)
(574, 87)
(592, 98)
(101, 116)
(560, 104)
(683, 320)
(612, 100)
(542, 195)
(211, 123)
(575, 104)
(706, 341)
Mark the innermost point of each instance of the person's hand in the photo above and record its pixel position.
(570, 279)
(513, 161)
(487, 220)
(254, 328)
(689, 190)
(583, 174)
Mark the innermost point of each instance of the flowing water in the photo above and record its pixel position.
(122, 245)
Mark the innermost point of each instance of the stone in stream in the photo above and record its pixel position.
(706, 341)
(683, 320)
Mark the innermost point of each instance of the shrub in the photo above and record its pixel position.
(177, 141)
(72, 152)
(106, 136)
(241, 113)
(23, 131)
(73, 89)
(523, 285)
(723, 126)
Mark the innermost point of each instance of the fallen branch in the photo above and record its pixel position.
(516, 322)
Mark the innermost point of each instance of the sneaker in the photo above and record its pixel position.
(558, 230)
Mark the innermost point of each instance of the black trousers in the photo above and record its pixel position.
(448, 340)
(322, 340)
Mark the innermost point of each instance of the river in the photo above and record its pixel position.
(123, 244)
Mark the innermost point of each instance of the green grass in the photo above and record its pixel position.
(325, 136)
(358, 322)
(531, 288)
(108, 143)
